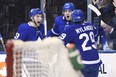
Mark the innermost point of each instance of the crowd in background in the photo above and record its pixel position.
(108, 17)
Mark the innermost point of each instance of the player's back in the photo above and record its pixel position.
(86, 36)
(83, 36)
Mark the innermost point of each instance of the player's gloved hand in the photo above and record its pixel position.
(75, 57)
(43, 37)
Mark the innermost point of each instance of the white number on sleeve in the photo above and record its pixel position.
(17, 35)
(63, 35)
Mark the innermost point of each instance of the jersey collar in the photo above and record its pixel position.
(31, 24)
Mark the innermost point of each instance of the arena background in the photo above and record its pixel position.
(15, 12)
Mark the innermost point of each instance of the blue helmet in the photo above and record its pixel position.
(35, 11)
(77, 15)
(68, 6)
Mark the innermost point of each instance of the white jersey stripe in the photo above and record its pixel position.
(54, 32)
(91, 62)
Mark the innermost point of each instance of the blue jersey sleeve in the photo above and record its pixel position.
(55, 30)
(55, 26)
(26, 32)
(42, 31)
(67, 36)
(21, 32)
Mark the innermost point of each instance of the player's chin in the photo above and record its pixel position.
(38, 24)
(68, 19)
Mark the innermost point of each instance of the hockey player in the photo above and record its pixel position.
(62, 21)
(34, 29)
(83, 35)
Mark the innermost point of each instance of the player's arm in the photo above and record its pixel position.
(54, 30)
(21, 33)
(67, 37)
(42, 32)
(74, 54)
(108, 8)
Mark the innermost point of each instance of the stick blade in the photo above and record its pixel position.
(93, 8)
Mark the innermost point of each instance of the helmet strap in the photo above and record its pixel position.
(35, 24)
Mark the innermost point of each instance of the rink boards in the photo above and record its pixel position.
(107, 69)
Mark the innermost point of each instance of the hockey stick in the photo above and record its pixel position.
(45, 21)
(45, 24)
(96, 11)
(1, 39)
(93, 8)
(43, 8)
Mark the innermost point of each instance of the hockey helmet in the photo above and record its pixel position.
(77, 15)
(35, 11)
(68, 6)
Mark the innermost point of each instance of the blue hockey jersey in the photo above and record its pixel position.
(83, 36)
(26, 32)
(59, 26)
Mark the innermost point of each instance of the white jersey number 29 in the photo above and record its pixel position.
(87, 38)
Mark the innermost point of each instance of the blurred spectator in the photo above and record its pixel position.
(111, 33)
(108, 15)
(109, 22)
(100, 3)
(102, 40)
